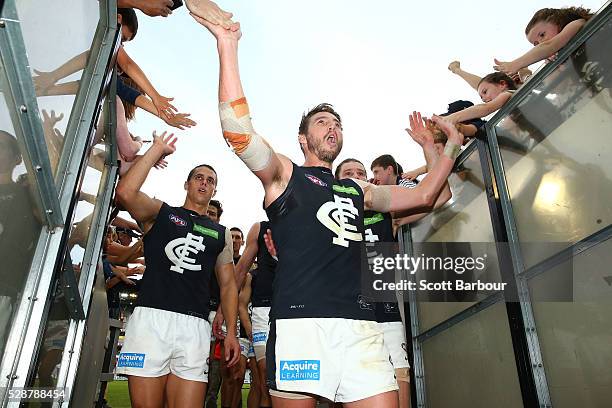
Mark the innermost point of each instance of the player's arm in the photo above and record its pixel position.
(396, 198)
(248, 255)
(272, 169)
(420, 133)
(141, 207)
(224, 270)
(243, 305)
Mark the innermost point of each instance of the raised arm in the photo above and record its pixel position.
(542, 50)
(248, 255)
(481, 110)
(396, 198)
(471, 79)
(272, 169)
(421, 134)
(141, 207)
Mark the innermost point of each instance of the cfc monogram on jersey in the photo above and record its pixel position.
(181, 250)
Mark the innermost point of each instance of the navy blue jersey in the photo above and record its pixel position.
(266, 267)
(379, 228)
(181, 250)
(318, 232)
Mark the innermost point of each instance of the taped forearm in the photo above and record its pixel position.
(375, 197)
(239, 134)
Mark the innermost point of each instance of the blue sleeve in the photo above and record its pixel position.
(476, 122)
(126, 93)
(108, 271)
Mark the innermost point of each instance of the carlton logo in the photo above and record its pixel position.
(178, 220)
(300, 370)
(316, 180)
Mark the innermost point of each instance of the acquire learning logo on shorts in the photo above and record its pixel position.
(132, 360)
(299, 370)
(259, 337)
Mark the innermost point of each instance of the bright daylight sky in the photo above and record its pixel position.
(375, 61)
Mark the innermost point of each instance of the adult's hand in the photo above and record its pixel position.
(152, 8)
(418, 131)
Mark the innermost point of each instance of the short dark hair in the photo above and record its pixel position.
(208, 166)
(217, 205)
(129, 19)
(239, 230)
(322, 107)
(385, 161)
(343, 162)
(497, 78)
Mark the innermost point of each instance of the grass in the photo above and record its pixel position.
(118, 396)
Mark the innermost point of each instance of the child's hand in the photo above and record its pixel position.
(509, 68)
(454, 66)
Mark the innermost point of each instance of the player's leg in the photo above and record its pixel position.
(182, 393)
(147, 392)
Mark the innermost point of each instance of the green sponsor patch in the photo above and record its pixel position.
(345, 190)
(206, 231)
(378, 217)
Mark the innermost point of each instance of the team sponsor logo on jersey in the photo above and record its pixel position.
(345, 190)
(131, 360)
(300, 370)
(316, 180)
(390, 307)
(365, 303)
(179, 252)
(260, 337)
(376, 218)
(337, 216)
(206, 231)
(178, 220)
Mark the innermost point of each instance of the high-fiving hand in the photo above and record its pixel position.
(211, 12)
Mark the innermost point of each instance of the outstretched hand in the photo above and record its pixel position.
(179, 120)
(43, 81)
(167, 143)
(419, 131)
(220, 32)
(509, 68)
(449, 129)
(164, 107)
(211, 12)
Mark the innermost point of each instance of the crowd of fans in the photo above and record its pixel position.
(124, 248)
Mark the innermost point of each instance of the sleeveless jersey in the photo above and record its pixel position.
(318, 232)
(181, 250)
(266, 265)
(379, 228)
